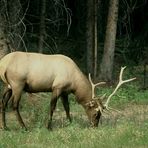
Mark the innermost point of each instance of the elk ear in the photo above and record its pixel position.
(90, 104)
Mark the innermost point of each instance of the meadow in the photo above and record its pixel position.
(125, 129)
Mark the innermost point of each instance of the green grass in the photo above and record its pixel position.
(128, 129)
(124, 135)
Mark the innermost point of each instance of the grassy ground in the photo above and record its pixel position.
(127, 129)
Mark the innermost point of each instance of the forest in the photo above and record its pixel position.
(101, 37)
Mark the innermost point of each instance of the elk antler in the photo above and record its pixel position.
(119, 84)
(94, 85)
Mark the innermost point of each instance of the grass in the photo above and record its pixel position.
(122, 135)
(128, 129)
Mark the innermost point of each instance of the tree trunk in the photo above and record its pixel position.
(15, 24)
(10, 22)
(106, 67)
(95, 37)
(42, 26)
(91, 35)
(3, 39)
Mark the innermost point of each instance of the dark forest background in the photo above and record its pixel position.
(100, 36)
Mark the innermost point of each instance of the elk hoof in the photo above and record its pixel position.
(49, 128)
(4, 128)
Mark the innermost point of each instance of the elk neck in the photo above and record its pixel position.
(83, 91)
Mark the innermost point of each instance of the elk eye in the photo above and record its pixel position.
(104, 107)
(96, 114)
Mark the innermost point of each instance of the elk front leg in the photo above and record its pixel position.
(53, 102)
(66, 106)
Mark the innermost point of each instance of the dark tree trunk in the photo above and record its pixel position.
(95, 37)
(89, 36)
(42, 32)
(16, 27)
(106, 67)
(92, 36)
(3, 39)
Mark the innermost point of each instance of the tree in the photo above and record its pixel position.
(42, 25)
(91, 36)
(4, 49)
(95, 30)
(11, 22)
(3, 27)
(16, 27)
(106, 67)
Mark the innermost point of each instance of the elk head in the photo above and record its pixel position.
(96, 105)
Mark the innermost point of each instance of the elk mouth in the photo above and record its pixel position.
(96, 119)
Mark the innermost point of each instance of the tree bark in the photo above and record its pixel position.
(95, 37)
(92, 36)
(17, 28)
(89, 36)
(42, 26)
(3, 39)
(106, 67)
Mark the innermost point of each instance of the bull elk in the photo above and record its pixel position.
(33, 72)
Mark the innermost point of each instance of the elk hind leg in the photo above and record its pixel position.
(16, 101)
(6, 97)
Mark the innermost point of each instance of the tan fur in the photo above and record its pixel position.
(33, 72)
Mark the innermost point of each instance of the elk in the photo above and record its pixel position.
(34, 72)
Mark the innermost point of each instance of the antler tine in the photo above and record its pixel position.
(119, 84)
(103, 96)
(94, 85)
(110, 108)
(89, 76)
